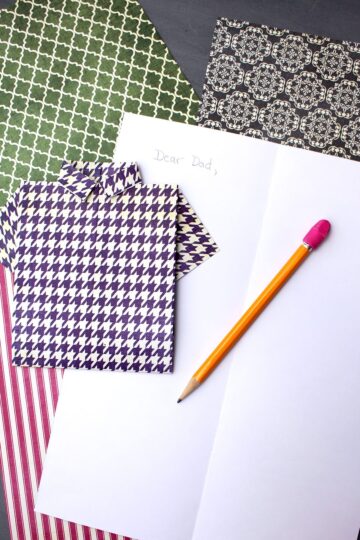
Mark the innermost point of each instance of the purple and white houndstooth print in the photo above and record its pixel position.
(95, 257)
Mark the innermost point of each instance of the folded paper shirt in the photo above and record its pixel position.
(95, 258)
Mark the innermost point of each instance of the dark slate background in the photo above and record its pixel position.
(187, 25)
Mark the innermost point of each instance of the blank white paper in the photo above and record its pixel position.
(123, 455)
(286, 461)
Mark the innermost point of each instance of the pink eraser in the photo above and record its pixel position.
(317, 233)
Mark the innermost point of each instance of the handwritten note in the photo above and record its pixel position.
(192, 160)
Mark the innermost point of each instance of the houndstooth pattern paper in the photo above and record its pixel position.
(95, 257)
(68, 71)
(296, 89)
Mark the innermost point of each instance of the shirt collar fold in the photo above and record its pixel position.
(80, 178)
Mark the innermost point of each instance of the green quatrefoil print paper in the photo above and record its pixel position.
(68, 70)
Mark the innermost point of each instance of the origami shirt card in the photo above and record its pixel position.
(297, 89)
(95, 256)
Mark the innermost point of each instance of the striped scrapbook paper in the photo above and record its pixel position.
(28, 400)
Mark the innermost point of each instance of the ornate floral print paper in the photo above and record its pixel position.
(297, 89)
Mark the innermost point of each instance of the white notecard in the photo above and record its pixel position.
(270, 452)
(123, 455)
(286, 461)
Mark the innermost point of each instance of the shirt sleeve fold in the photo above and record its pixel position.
(8, 231)
(194, 243)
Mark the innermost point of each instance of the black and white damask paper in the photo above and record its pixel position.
(297, 89)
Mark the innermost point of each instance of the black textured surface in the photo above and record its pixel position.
(4, 527)
(187, 26)
(4, 4)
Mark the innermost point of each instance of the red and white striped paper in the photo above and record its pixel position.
(28, 398)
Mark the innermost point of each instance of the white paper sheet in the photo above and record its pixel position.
(286, 461)
(123, 456)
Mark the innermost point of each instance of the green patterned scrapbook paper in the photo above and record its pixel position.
(68, 70)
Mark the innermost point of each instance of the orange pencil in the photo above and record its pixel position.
(311, 241)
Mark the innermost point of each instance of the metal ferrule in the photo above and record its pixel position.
(307, 246)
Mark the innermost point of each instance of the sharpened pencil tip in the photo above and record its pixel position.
(178, 401)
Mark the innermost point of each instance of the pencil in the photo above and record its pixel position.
(311, 241)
